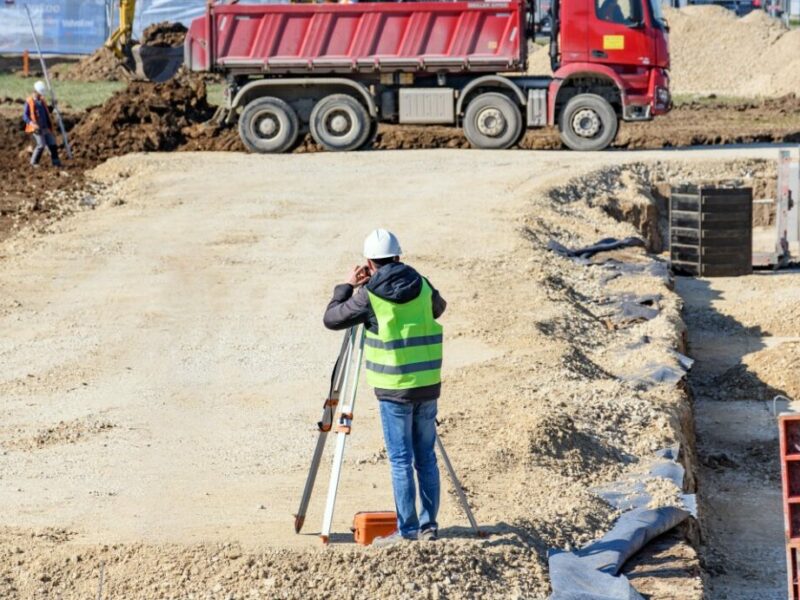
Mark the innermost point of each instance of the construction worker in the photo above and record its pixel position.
(403, 359)
(39, 123)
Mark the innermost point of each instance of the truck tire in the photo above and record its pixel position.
(371, 136)
(340, 123)
(268, 125)
(492, 121)
(588, 122)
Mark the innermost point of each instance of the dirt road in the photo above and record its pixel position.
(165, 360)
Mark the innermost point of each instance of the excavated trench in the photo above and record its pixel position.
(746, 350)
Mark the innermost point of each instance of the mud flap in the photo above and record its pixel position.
(156, 63)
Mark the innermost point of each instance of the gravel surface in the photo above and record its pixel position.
(166, 362)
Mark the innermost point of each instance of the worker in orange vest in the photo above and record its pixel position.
(39, 123)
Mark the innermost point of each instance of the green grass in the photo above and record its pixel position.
(79, 95)
(76, 95)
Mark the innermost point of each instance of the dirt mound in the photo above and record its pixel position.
(712, 51)
(34, 196)
(557, 443)
(779, 367)
(142, 118)
(12, 132)
(164, 35)
(102, 65)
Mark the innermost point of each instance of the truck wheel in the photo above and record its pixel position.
(268, 125)
(492, 121)
(371, 136)
(339, 123)
(588, 122)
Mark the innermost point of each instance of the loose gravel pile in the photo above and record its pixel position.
(714, 52)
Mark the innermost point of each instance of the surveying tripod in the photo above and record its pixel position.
(344, 383)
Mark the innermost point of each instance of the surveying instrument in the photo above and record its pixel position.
(344, 384)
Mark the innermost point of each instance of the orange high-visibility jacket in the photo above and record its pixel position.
(30, 126)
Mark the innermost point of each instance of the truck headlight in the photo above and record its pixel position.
(662, 96)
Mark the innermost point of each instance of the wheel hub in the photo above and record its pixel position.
(339, 123)
(268, 126)
(586, 123)
(491, 122)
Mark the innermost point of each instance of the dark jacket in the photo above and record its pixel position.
(41, 116)
(395, 282)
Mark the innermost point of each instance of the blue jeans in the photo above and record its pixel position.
(409, 430)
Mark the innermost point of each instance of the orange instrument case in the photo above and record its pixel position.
(369, 525)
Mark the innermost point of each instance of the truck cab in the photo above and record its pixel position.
(615, 49)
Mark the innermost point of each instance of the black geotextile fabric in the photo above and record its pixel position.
(592, 573)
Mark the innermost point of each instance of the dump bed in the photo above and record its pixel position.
(384, 37)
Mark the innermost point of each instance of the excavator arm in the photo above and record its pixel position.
(121, 38)
(152, 63)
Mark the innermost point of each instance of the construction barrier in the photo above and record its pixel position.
(81, 26)
(75, 27)
(789, 429)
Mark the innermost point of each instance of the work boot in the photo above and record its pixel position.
(390, 540)
(54, 156)
(429, 534)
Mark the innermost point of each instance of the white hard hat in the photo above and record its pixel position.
(381, 244)
(40, 87)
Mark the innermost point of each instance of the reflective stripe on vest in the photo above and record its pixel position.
(407, 350)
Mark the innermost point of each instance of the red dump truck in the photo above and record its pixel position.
(337, 70)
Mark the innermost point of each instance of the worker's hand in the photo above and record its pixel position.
(359, 275)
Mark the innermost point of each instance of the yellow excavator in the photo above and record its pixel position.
(153, 63)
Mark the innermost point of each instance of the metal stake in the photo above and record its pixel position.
(462, 498)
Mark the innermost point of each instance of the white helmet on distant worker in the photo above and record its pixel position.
(40, 87)
(381, 244)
